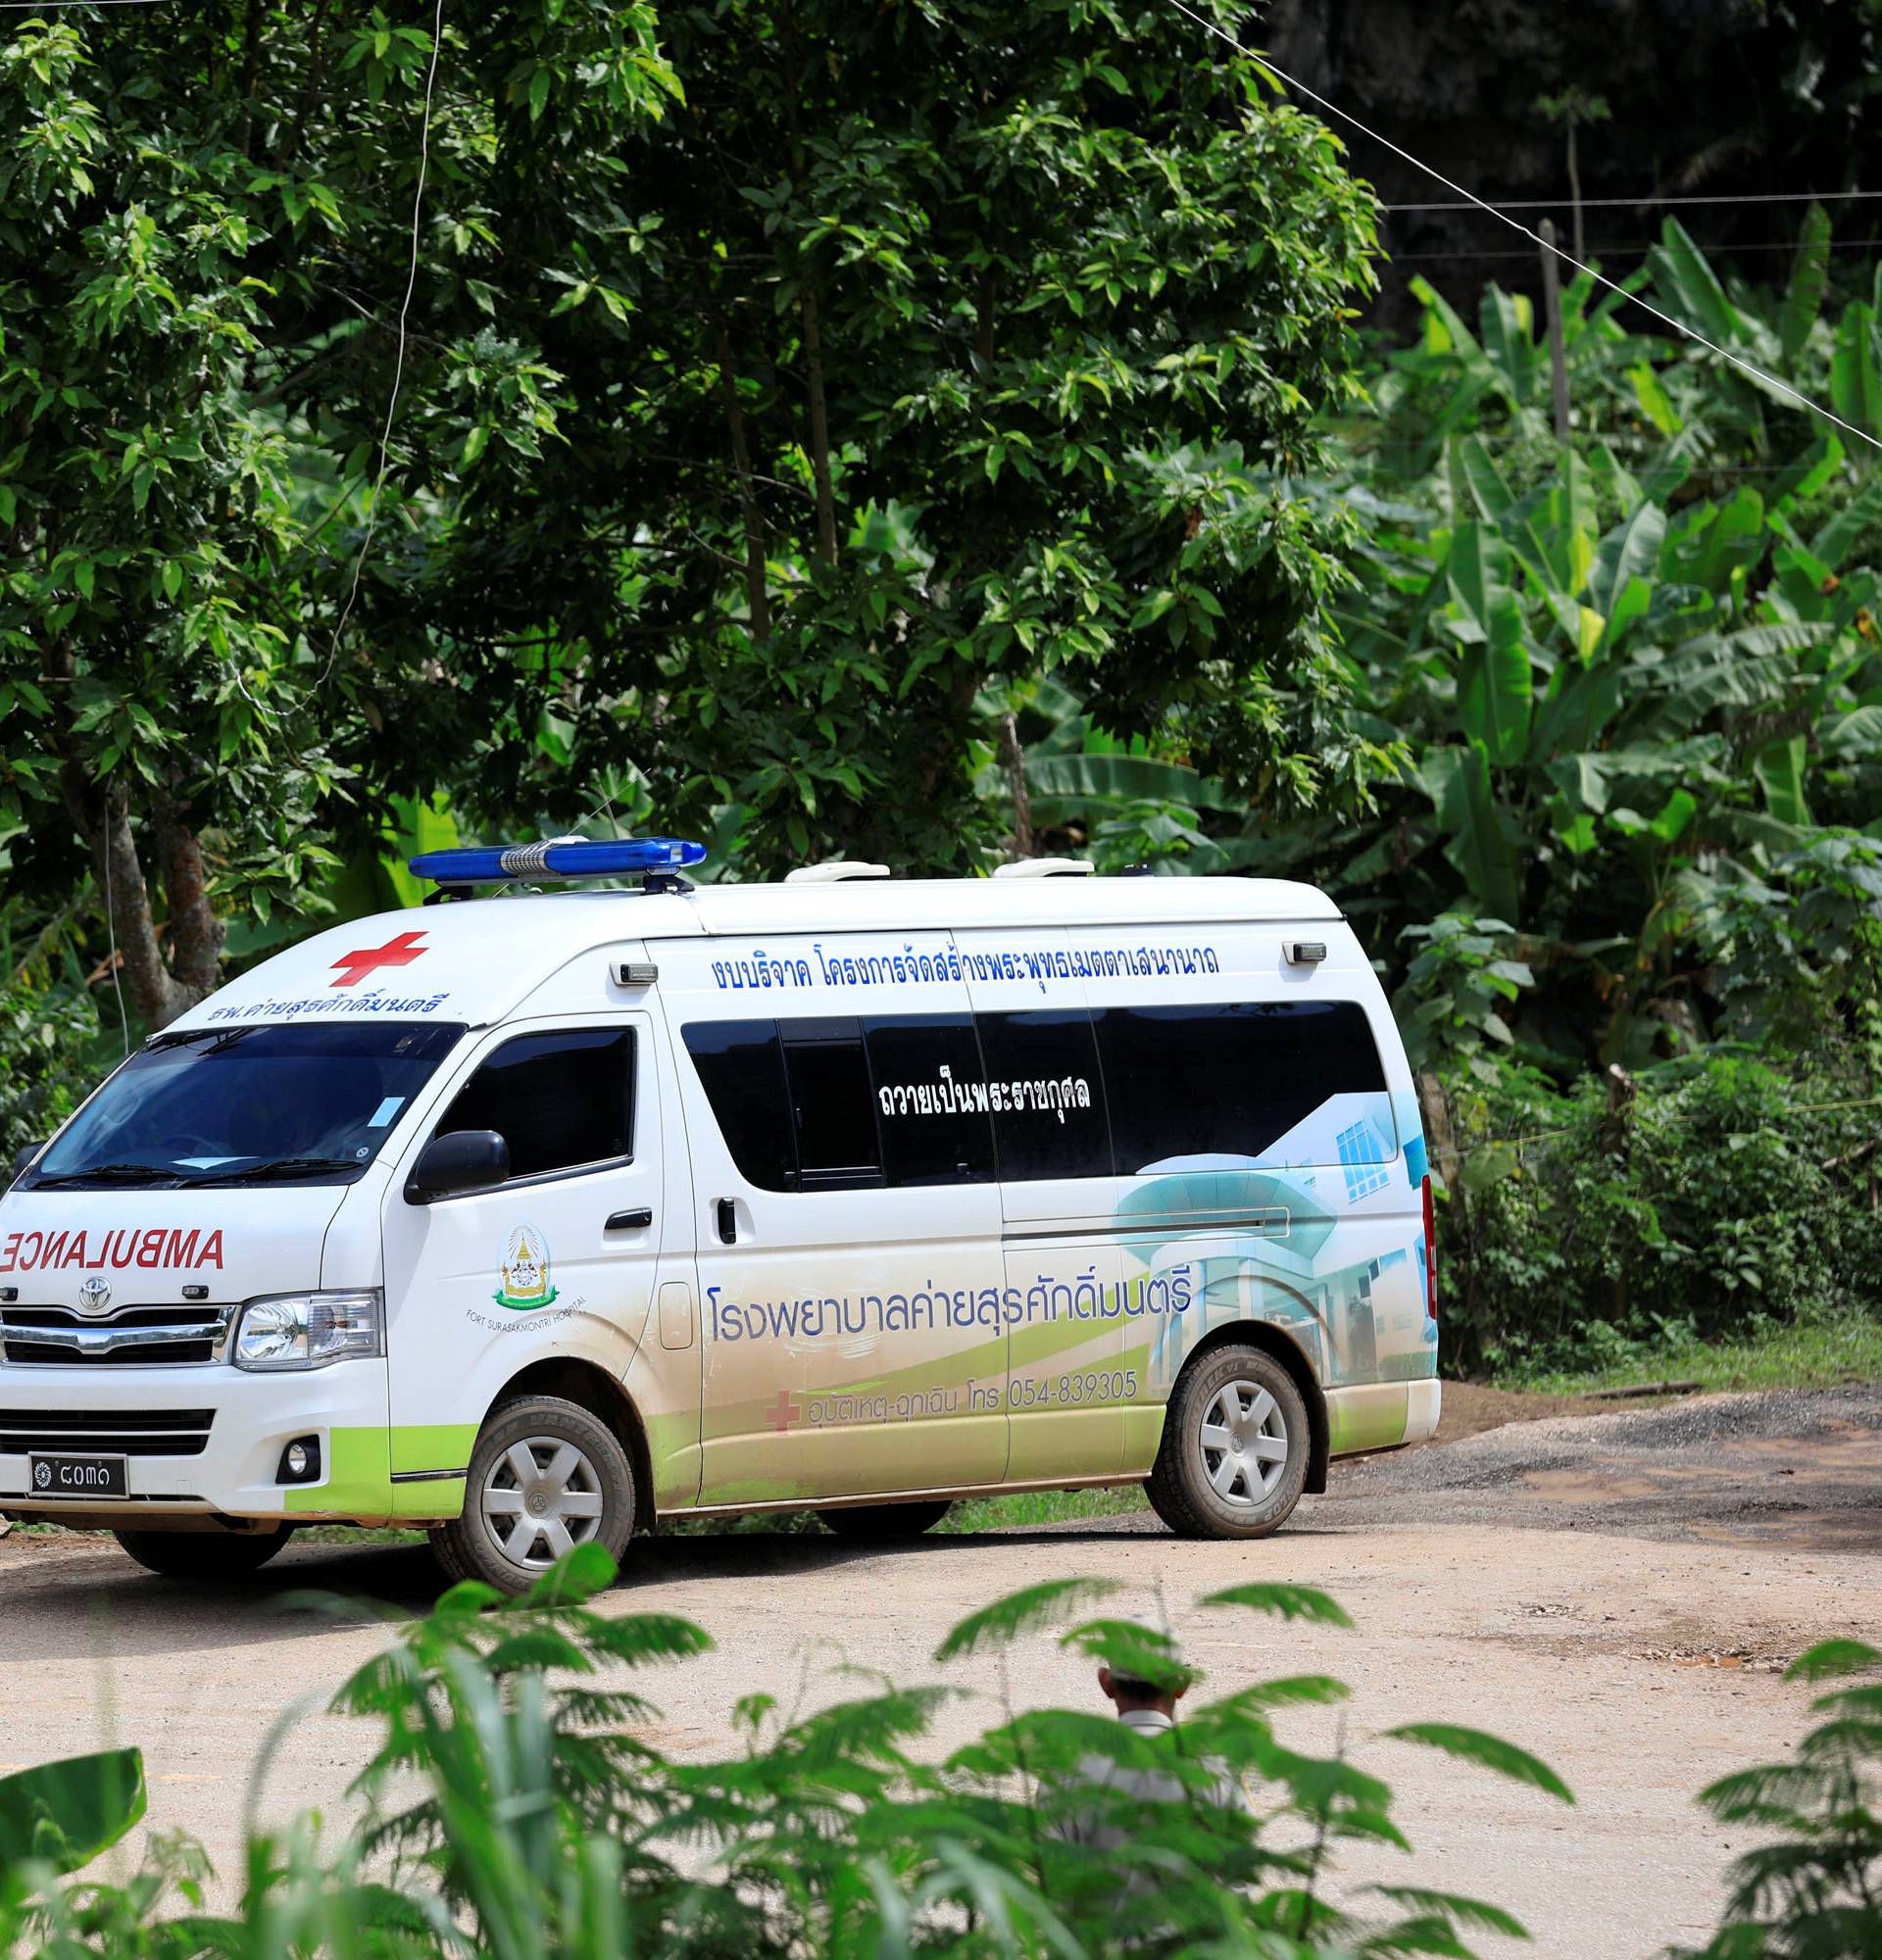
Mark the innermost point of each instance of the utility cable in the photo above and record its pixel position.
(1639, 203)
(398, 366)
(1517, 225)
(1751, 245)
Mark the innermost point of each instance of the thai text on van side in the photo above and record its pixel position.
(948, 1098)
(911, 967)
(928, 1308)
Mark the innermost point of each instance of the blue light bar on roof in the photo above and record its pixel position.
(565, 858)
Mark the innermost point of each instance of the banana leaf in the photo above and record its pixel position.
(61, 1815)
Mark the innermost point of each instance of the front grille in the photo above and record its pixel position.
(132, 1337)
(108, 1432)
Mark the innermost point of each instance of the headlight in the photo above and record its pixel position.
(307, 1330)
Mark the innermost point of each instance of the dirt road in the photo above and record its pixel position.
(1617, 1594)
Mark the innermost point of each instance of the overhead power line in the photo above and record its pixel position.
(398, 364)
(1517, 225)
(1638, 203)
(1652, 244)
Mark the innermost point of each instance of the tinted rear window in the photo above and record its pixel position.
(1240, 1079)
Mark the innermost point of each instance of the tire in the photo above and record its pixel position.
(1217, 1474)
(204, 1555)
(887, 1521)
(545, 1474)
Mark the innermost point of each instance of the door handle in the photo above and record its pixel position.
(631, 1221)
(727, 1221)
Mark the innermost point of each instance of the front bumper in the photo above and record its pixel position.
(182, 1470)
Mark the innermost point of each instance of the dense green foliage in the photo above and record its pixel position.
(772, 398)
(517, 1813)
(939, 434)
(1717, 1196)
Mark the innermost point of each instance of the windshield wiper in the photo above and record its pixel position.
(111, 1173)
(273, 1167)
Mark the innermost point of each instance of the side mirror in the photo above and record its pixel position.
(461, 1160)
(23, 1156)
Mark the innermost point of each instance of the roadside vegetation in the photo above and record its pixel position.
(1835, 1351)
(515, 1809)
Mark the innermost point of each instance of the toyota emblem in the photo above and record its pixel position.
(94, 1294)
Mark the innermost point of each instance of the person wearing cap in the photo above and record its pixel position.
(1147, 1708)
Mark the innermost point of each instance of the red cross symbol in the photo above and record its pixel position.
(399, 952)
(784, 1412)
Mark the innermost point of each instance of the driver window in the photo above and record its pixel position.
(560, 1101)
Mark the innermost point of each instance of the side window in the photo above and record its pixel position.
(1047, 1094)
(1245, 1079)
(558, 1099)
(832, 1104)
(741, 1067)
(931, 1102)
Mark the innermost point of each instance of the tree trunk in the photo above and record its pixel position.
(1574, 195)
(806, 316)
(757, 598)
(251, 70)
(158, 992)
(820, 430)
(195, 932)
(1440, 1131)
(1014, 759)
(1446, 1161)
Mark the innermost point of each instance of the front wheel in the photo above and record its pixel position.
(546, 1475)
(1234, 1454)
(886, 1521)
(204, 1555)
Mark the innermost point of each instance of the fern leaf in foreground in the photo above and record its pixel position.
(1490, 1752)
(1026, 1611)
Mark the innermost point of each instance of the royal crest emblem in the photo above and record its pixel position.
(525, 1280)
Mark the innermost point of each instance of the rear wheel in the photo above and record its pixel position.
(204, 1555)
(1235, 1447)
(546, 1476)
(885, 1521)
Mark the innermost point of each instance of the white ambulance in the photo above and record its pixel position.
(545, 1216)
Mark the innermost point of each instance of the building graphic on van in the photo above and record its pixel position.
(1268, 1259)
(525, 1271)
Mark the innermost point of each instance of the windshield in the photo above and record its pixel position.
(232, 1105)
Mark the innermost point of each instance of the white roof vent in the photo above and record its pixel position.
(844, 872)
(1045, 867)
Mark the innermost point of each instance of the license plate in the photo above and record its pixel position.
(78, 1476)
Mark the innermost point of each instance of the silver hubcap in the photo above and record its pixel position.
(540, 1498)
(1244, 1444)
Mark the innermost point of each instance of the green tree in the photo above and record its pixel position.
(926, 349)
(206, 218)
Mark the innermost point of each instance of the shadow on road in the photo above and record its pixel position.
(99, 1598)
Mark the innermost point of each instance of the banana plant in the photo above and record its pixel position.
(1623, 658)
(58, 1817)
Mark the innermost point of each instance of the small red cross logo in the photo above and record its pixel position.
(784, 1412)
(399, 952)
